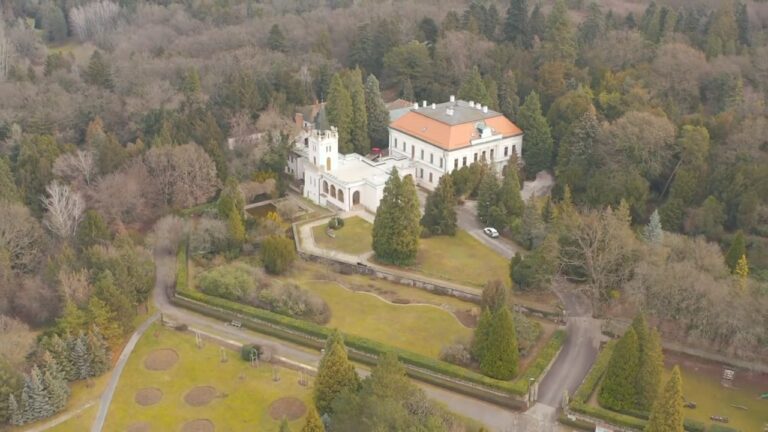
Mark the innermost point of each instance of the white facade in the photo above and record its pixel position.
(431, 162)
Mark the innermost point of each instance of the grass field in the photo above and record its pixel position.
(354, 238)
(422, 329)
(243, 393)
(79, 423)
(461, 259)
(713, 399)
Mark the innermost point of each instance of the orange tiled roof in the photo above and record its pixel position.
(451, 137)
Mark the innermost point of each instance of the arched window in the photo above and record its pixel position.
(333, 191)
(356, 198)
(325, 187)
(340, 195)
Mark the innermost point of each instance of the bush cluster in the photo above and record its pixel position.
(336, 223)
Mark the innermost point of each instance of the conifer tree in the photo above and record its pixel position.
(101, 316)
(8, 190)
(359, 127)
(407, 91)
(92, 230)
(487, 196)
(72, 319)
(15, 416)
(473, 89)
(335, 374)
(501, 355)
(667, 413)
(38, 405)
(378, 115)
(396, 229)
(537, 151)
(742, 271)
(516, 27)
(60, 351)
(653, 232)
(509, 193)
(99, 72)
(99, 352)
(650, 370)
(495, 295)
(509, 101)
(619, 391)
(481, 339)
(105, 289)
(81, 358)
(313, 423)
(10, 384)
(440, 209)
(559, 39)
(276, 39)
(57, 391)
(339, 109)
(737, 249)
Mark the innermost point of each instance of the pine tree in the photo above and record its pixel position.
(618, 391)
(516, 28)
(509, 101)
(72, 319)
(38, 406)
(559, 40)
(339, 109)
(335, 374)
(481, 339)
(104, 288)
(92, 230)
(396, 229)
(487, 197)
(537, 150)
(99, 352)
(407, 92)
(667, 413)
(653, 232)
(8, 190)
(10, 384)
(313, 423)
(56, 390)
(102, 317)
(378, 115)
(440, 209)
(501, 356)
(276, 39)
(360, 139)
(735, 252)
(473, 89)
(60, 351)
(81, 358)
(99, 72)
(509, 193)
(537, 23)
(532, 229)
(15, 415)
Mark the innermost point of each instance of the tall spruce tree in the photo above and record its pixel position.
(619, 391)
(516, 28)
(481, 338)
(487, 197)
(501, 356)
(99, 72)
(473, 89)
(276, 39)
(339, 110)
(650, 370)
(667, 413)
(10, 384)
(81, 358)
(396, 229)
(537, 149)
(378, 115)
(99, 352)
(335, 374)
(509, 192)
(440, 209)
(737, 249)
(360, 139)
(653, 232)
(559, 39)
(15, 414)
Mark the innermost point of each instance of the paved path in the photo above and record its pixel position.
(62, 418)
(106, 397)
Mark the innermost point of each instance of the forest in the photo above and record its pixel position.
(113, 113)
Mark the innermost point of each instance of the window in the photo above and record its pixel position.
(506, 151)
(456, 163)
(441, 161)
(483, 155)
(403, 145)
(422, 154)
(475, 157)
(491, 154)
(514, 150)
(395, 146)
(464, 161)
(430, 177)
(421, 172)
(431, 158)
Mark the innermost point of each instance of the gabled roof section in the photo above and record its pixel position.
(452, 125)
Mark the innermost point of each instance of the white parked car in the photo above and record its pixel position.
(491, 232)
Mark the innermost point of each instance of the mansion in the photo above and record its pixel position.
(425, 142)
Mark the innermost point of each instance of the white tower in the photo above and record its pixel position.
(324, 149)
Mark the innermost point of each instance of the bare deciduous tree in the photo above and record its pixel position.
(64, 207)
(167, 234)
(75, 286)
(76, 166)
(93, 19)
(16, 340)
(126, 195)
(20, 236)
(185, 175)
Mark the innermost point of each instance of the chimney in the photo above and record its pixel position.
(453, 98)
(471, 104)
(424, 104)
(299, 119)
(434, 105)
(415, 105)
(485, 108)
(449, 111)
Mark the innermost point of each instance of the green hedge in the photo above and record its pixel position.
(721, 428)
(589, 386)
(307, 333)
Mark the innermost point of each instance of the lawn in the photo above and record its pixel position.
(423, 329)
(461, 259)
(82, 421)
(354, 238)
(713, 399)
(242, 394)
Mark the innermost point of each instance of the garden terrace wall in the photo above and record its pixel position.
(507, 393)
